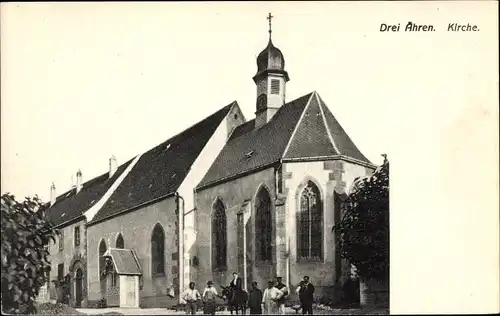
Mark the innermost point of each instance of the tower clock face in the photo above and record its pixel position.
(261, 102)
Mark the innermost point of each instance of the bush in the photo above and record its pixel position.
(364, 227)
(25, 235)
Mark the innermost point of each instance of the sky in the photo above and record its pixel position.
(84, 82)
(81, 82)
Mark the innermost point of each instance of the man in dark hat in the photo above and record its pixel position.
(306, 296)
(208, 296)
(281, 299)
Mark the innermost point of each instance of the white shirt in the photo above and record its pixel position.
(209, 289)
(191, 295)
(233, 281)
(271, 294)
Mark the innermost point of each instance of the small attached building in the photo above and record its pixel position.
(123, 267)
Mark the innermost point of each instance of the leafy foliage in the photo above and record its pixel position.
(63, 285)
(364, 227)
(25, 235)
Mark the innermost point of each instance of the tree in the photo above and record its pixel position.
(364, 227)
(25, 257)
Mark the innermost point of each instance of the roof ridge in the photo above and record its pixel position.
(166, 141)
(194, 125)
(92, 211)
(91, 180)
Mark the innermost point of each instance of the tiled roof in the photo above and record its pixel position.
(125, 261)
(311, 137)
(161, 170)
(251, 148)
(71, 205)
(317, 135)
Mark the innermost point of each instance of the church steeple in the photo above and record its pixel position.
(271, 79)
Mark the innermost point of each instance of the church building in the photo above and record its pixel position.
(259, 197)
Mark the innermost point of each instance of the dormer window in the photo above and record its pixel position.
(275, 86)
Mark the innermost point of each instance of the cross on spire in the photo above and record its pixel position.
(270, 17)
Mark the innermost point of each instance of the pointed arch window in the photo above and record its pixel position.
(219, 236)
(263, 227)
(310, 223)
(158, 251)
(102, 262)
(120, 243)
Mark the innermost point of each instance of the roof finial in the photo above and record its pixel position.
(270, 17)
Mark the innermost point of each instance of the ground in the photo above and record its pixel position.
(164, 311)
(62, 309)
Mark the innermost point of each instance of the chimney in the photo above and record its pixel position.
(52, 194)
(112, 166)
(78, 180)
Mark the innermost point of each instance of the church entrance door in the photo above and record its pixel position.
(78, 287)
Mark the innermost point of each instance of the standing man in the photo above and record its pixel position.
(270, 297)
(208, 296)
(191, 296)
(306, 296)
(284, 290)
(255, 300)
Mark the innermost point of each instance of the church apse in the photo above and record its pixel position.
(309, 188)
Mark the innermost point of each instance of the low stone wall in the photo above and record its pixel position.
(374, 293)
(163, 301)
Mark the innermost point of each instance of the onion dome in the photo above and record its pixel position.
(271, 58)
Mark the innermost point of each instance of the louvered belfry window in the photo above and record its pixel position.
(219, 236)
(264, 227)
(310, 224)
(275, 86)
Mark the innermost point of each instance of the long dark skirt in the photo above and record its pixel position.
(209, 308)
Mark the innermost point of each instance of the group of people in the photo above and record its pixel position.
(271, 301)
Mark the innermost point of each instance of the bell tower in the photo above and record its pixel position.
(271, 79)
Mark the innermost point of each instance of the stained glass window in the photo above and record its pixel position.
(263, 225)
(219, 235)
(158, 251)
(310, 223)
